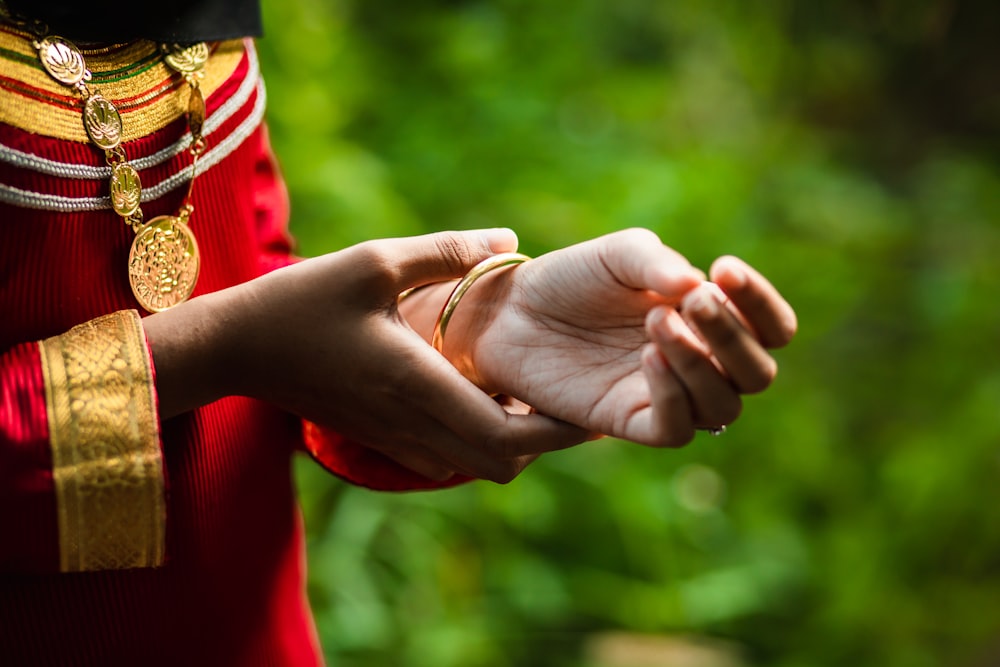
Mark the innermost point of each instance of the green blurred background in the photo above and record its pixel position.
(847, 149)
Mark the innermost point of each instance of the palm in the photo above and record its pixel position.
(568, 339)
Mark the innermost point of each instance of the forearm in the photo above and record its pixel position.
(191, 346)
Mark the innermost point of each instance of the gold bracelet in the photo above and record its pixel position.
(474, 274)
(410, 290)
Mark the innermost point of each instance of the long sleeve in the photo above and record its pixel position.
(80, 458)
(348, 460)
(27, 495)
(363, 466)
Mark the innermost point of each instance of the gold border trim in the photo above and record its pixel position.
(107, 463)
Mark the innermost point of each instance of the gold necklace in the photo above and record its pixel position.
(164, 260)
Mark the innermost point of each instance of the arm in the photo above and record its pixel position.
(323, 339)
(80, 459)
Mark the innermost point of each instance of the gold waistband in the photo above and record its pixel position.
(133, 76)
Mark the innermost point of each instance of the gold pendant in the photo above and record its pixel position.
(186, 59)
(102, 122)
(163, 264)
(125, 189)
(62, 60)
(196, 112)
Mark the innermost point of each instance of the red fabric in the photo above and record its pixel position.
(27, 502)
(363, 466)
(232, 589)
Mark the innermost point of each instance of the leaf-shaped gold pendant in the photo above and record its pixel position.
(196, 112)
(125, 189)
(62, 60)
(186, 59)
(102, 122)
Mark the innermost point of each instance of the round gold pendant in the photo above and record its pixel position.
(163, 264)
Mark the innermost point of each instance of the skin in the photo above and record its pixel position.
(589, 336)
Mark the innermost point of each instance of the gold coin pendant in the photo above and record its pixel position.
(125, 189)
(62, 60)
(102, 122)
(186, 59)
(163, 264)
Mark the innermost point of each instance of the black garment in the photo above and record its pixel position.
(181, 21)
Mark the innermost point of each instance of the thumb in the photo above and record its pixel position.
(445, 255)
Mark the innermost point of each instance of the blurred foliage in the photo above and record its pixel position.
(849, 150)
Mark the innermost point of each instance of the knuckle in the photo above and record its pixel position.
(503, 472)
(688, 364)
(637, 236)
(724, 337)
(455, 251)
(499, 466)
(376, 266)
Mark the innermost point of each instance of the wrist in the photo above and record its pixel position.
(191, 346)
(465, 340)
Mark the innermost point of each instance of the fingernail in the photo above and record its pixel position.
(685, 274)
(701, 303)
(715, 290)
(499, 239)
(657, 322)
(737, 277)
(652, 357)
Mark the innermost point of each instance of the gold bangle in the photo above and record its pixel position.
(474, 274)
(410, 290)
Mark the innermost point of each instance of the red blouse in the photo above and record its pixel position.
(231, 590)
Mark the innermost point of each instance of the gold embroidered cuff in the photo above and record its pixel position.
(106, 457)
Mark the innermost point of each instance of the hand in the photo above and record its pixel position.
(323, 339)
(590, 334)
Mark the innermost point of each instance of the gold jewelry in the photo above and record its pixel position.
(164, 261)
(408, 291)
(478, 271)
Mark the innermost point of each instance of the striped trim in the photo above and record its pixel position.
(131, 76)
(251, 86)
(225, 112)
(48, 202)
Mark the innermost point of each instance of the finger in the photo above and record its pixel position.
(424, 445)
(749, 366)
(667, 422)
(494, 455)
(418, 260)
(770, 315)
(486, 439)
(430, 467)
(638, 259)
(714, 400)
